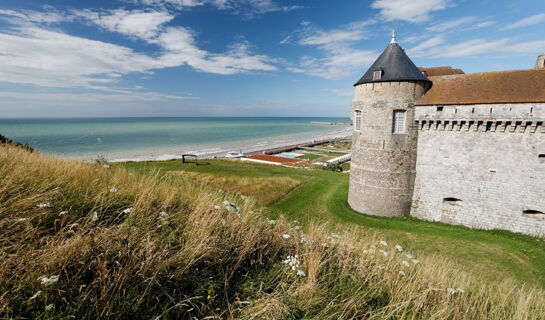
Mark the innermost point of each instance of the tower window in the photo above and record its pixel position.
(377, 75)
(357, 120)
(399, 121)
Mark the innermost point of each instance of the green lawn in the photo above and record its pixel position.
(322, 197)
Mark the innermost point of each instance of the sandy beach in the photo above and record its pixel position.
(219, 150)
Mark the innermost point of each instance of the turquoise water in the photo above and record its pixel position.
(114, 137)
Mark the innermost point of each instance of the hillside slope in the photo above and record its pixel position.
(81, 240)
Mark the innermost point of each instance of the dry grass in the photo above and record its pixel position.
(199, 261)
(265, 191)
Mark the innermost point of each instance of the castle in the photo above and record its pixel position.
(442, 145)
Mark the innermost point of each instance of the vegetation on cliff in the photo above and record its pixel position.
(89, 241)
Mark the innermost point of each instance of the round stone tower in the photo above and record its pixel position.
(384, 138)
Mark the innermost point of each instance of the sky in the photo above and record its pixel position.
(141, 58)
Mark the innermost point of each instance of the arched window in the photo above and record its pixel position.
(357, 120)
(398, 125)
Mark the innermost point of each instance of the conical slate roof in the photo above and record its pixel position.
(394, 65)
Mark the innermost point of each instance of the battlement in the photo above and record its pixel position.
(482, 125)
(525, 118)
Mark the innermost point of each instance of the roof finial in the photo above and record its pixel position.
(393, 36)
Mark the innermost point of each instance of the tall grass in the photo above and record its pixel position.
(181, 252)
(264, 190)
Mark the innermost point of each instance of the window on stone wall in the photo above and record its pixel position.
(357, 120)
(398, 125)
(377, 75)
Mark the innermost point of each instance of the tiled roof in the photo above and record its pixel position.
(440, 71)
(519, 86)
(393, 65)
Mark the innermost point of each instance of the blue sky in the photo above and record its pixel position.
(239, 57)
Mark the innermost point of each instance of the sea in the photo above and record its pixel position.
(138, 139)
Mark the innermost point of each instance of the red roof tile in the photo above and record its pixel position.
(274, 159)
(518, 86)
(440, 71)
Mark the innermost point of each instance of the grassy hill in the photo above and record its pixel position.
(145, 240)
(320, 197)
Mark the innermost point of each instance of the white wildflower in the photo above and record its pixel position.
(301, 273)
(49, 307)
(94, 218)
(62, 213)
(239, 215)
(409, 256)
(223, 222)
(366, 251)
(384, 243)
(244, 197)
(227, 203)
(304, 238)
(113, 190)
(401, 272)
(251, 212)
(415, 261)
(454, 291)
(384, 253)
(271, 222)
(286, 236)
(128, 210)
(373, 246)
(217, 207)
(325, 245)
(382, 267)
(296, 227)
(405, 263)
(44, 205)
(292, 262)
(107, 166)
(229, 208)
(46, 281)
(22, 219)
(36, 295)
(399, 248)
(163, 214)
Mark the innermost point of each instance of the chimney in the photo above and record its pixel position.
(540, 63)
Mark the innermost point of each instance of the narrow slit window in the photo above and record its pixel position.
(357, 122)
(399, 121)
(453, 201)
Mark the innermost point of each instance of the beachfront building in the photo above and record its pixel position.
(442, 145)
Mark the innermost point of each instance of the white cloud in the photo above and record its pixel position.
(343, 92)
(133, 96)
(435, 48)
(142, 24)
(529, 21)
(339, 59)
(25, 16)
(33, 54)
(246, 8)
(449, 25)
(407, 10)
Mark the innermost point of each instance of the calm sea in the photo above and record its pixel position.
(155, 137)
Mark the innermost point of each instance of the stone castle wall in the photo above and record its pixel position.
(481, 166)
(382, 168)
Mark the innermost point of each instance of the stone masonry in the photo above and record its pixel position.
(382, 170)
(482, 166)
